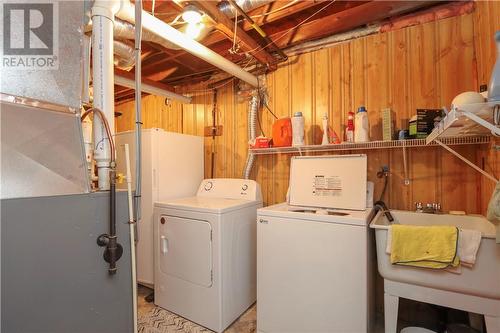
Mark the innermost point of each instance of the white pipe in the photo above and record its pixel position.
(132, 235)
(165, 31)
(138, 109)
(129, 83)
(103, 84)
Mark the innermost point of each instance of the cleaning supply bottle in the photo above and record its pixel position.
(349, 132)
(494, 90)
(298, 129)
(361, 125)
(325, 139)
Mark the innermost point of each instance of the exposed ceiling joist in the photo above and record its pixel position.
(131, 76)
(298, 14)
(287, 22)
(345, 20)
(127, 79)
(226, 25)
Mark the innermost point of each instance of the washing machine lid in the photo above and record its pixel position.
(207, 204)
(340, 216)
(337, 182)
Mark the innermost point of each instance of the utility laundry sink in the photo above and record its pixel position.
(476, 289)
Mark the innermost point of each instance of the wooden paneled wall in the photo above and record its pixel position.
(422, 66)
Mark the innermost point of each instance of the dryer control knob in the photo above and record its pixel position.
(244, 187)
(208, 186)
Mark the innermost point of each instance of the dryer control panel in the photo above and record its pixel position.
(230, 188)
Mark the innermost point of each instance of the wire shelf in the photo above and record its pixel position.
(467, 120)
(412, 143)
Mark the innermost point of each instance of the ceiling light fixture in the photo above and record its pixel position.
(191, 15)
(193, 30)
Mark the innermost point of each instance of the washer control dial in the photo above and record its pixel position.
(244, 187)
(208, 186)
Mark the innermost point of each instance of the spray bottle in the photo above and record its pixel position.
(349, 132)
(325, 139)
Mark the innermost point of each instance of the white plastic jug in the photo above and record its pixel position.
(298, 129)
(494, 89)
(361, 126)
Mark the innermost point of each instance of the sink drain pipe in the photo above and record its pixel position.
(114, 250)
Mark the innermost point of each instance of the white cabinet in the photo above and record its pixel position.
(172, 167)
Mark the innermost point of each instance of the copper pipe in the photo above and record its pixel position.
(106, 126)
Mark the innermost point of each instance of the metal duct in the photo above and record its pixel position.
(61, 84)
(253, 107)
(42, 151)
(124, 55)
(246, 5)
(125, 30)
(166, 32)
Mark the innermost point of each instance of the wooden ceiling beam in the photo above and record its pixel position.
(341, 16)
(226, 26)
(291, 10)
(346, 20)
(292, 16)
(131, 76)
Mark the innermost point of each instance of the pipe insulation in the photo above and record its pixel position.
(253, 108)
(126, 30)
(165, 31)
(124, 55)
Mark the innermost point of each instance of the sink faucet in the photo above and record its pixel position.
(430, 208)
(380, 206)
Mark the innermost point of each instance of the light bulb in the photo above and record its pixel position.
(193, 29)
(191, 15)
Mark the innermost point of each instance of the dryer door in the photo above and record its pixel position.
(185, 249)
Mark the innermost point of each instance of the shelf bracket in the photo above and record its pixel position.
(405, 166)
(464, 159)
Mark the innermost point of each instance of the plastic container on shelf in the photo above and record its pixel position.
(298, 129)
(282, 132)
(494, 88)
(361, 126)
(349, 132)
(325, 139)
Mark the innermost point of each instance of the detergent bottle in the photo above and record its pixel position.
(361, 125)
(298, 129)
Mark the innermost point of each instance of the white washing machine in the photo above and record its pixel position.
(205, 252)
(315, 260)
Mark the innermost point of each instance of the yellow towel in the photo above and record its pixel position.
(429, 247)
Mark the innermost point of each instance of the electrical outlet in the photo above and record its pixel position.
(213, 131)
